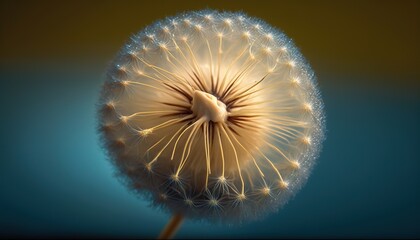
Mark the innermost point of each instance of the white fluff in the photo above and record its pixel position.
(214, 115)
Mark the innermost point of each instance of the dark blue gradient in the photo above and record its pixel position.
(55, 179)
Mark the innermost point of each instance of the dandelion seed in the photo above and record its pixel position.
(110, 105)
(296, 81)
(219, 100)
(146, 132)
(148, 167)
(124, 119)
(291, 64)
(306, 140)
(266, 191)
(283, 185)
(295, 164)
(175, 178)
(163, 196)
(189, 202)
(241, 197)
(307, 107)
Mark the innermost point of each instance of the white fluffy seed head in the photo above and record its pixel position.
(212, 114)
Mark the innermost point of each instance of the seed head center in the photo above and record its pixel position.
(207, 106)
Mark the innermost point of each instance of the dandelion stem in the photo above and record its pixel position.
(172, 226)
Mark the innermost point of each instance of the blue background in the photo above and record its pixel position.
(55, 180)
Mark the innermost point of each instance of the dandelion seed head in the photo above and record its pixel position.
(227, 111)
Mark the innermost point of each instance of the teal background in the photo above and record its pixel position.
(55, 180)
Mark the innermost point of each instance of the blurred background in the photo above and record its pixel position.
(55, 180)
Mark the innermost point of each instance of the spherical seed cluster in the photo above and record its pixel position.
(214, 115)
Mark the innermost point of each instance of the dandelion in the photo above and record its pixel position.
(214, 115)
